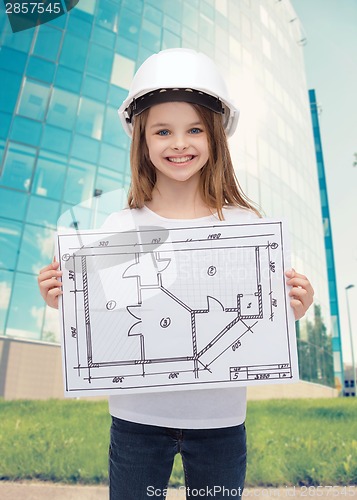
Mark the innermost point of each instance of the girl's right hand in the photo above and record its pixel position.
(50, 286)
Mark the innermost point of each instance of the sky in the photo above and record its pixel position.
(331, 69)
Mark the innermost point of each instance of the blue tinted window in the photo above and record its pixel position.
(12, 204)
(12, 60)
(127, 48)
(47, 42)
(36, 249)
(78, 24)
(92, 87)
(10, 234)
(74, 59)
(56, 139)
(189, 37)
(190, 16)
(10, 87)
(116, 95)
(101, 36)
(207, 9)
(6, 278)
(153, 15)
(85, 148)
(25, 316)
(63, 109)
(79, 182)
(169, 40)
(33, 100)
(42, 211)
(129, 25)
(151, 35)
(5, 121)
(18, 41)
(107, 15)
(40, 69)
(68, 79)
(143, 55)
(174, 9)
(26, 130)
(49, 175)
(112, 127)
(100, 61)
(90, 118)
(18, 166)
(75, 216)
(108, 180)
(114, 158)
(206, 28)
(134, 5)
(172, 25)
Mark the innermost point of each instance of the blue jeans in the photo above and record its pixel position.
(141, 459)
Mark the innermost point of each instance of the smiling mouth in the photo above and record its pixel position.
(181, 159)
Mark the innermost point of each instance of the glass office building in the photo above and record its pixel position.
(61, 141)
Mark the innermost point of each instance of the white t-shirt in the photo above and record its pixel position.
(186, 409)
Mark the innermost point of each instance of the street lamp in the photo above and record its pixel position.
(351, 339)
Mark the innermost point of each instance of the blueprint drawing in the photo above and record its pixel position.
(155, 309)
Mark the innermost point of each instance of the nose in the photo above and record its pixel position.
(179, 142)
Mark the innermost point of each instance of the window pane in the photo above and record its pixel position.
(127, 48)
(103, 37)
(33, 100)
(79, 182)
(18, 166)
(74, 59)
(129, 25)
(25, 316)
(100, 61)
(153, 14)
(63, 109)
(49, 175)
(85, 148)
(114, 158)
(36, 250)
(90, 118)
(12, 204)
(112, 127)
(123, 71)
(47, 42)
(12, 60)
(10, 88)
(134, 5)
(116, 95)
(68, 79)
(75, 216)
(108, 180)
(51, 329)
(151, 35)
(97, 89)
(42, 211)
(5, 121)
(10, 234)
(107, 15)
(20, 40)
(5, 293)
(79, 24)
(56, 139)
(26, 130)
(40, 69)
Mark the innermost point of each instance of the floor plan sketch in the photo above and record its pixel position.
(154, 309)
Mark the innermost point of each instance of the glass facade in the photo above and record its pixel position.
(61, 140)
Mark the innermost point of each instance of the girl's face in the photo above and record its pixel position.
(177, 142)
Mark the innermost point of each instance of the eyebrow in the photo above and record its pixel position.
(195, 124)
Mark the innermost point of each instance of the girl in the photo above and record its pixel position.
(179, 114)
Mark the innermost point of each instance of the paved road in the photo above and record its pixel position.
(51, 491)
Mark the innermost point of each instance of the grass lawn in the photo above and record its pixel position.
(290, 442)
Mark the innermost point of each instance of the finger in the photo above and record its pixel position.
(298, 308)
(52, 297)
(47, 285)
(300, 282)
(53, 265)
(47, 275)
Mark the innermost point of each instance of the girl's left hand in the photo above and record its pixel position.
(301, 293)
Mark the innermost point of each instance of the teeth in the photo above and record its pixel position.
(182, 159)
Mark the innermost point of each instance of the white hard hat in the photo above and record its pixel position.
(178, 75)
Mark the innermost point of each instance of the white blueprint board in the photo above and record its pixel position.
(191, 307)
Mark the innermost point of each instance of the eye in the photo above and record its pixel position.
(163, 132)
(195, 130)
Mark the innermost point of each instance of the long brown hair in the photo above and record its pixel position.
(219, 185)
